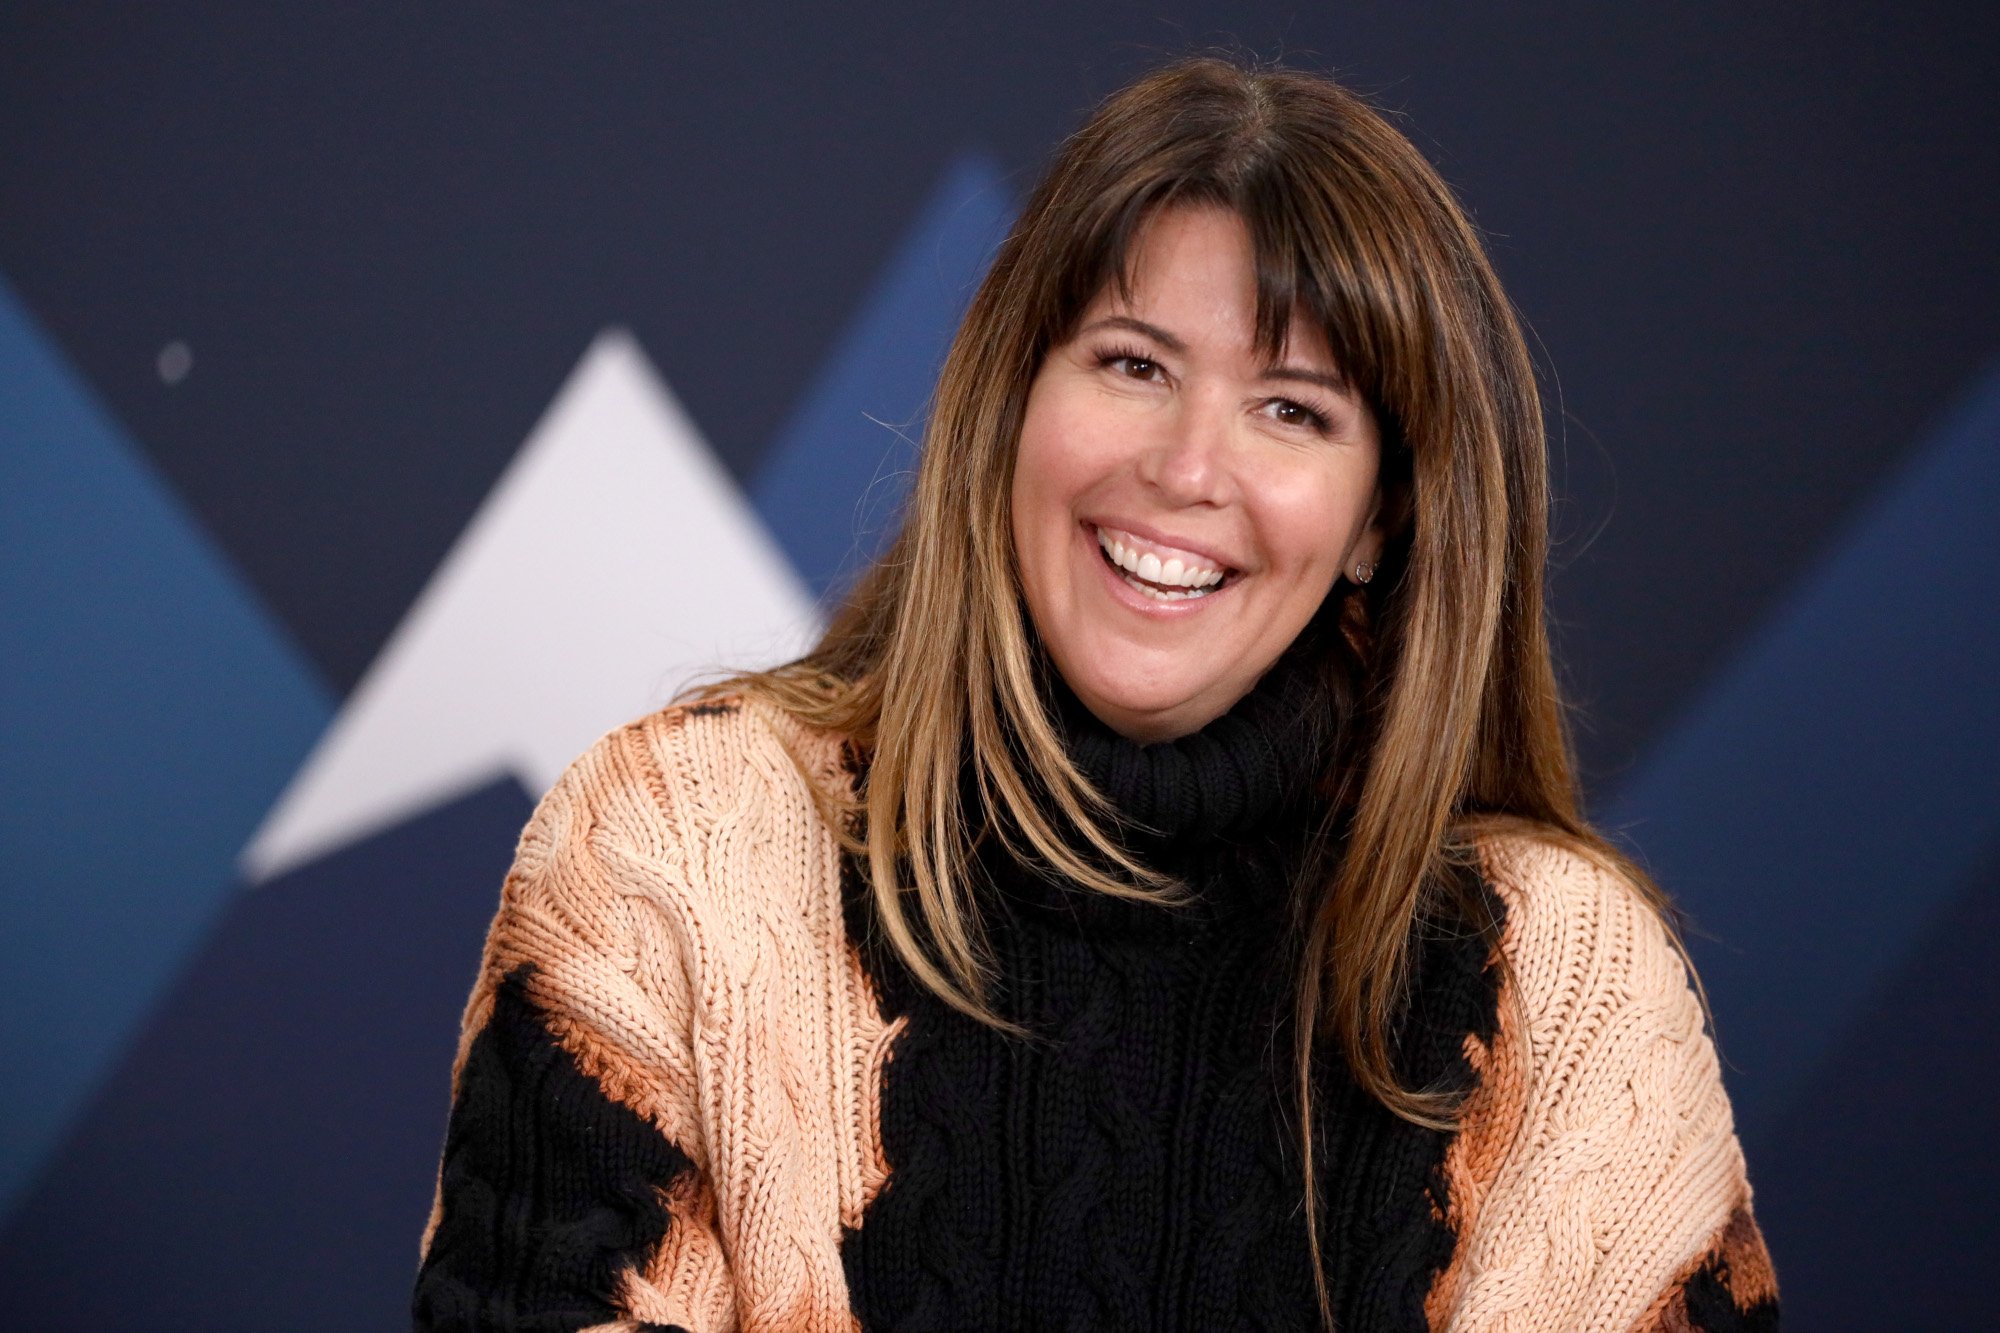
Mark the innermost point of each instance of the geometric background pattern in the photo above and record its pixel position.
(287, 298)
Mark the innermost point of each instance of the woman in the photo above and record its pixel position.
(1161, 900)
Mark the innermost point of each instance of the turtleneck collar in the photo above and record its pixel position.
(1226, 810)
(1247, 769)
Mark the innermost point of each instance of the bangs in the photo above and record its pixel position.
(1307, 260)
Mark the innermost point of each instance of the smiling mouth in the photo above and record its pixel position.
(1173, 579)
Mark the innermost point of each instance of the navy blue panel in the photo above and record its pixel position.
(130, 648)
(1876, 1191)
(1833, 786)
(265, 1157)
(832, 486)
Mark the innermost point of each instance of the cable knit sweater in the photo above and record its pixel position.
(695, 1091)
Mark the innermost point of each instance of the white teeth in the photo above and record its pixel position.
(1174, 572)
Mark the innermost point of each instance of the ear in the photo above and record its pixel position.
(1368, 545)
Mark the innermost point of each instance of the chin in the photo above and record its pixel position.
(1158, 714)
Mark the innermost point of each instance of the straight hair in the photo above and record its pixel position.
(1453, 727)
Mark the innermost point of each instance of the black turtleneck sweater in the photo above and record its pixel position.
(1134, 1162)
(697, 1092)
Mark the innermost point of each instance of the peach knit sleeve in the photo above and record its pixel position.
(1615, 1197)
(662, 1108)
(574, 1189)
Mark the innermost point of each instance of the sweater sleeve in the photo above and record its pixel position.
(573, 1190)
(1618, 1197)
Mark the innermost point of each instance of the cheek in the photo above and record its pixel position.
(1039, 504)
(1056, 464)
(1309, 521)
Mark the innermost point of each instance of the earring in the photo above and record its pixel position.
(1363, 571)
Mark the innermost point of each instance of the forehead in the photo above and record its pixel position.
(1193, 271)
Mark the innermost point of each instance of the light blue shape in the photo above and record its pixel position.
(1832, 790)
(832, 486)
(150, 711)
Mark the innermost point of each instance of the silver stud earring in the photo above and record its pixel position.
(1363, 571)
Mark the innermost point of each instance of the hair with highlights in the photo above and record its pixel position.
(1452, 726)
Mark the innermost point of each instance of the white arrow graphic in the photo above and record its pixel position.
(613, 561)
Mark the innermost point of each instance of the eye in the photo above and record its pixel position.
(1130, 364)
(1293, 413)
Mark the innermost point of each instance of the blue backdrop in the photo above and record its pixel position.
(284, 292)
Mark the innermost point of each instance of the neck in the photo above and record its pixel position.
(1227, 811)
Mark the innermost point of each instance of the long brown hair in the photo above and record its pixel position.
(1458, 727)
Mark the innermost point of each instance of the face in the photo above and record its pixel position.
(1181, 504)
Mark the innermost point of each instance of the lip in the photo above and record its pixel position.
(1128, 596)
(1160, 539)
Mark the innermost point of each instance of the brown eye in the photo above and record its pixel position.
(1130, 365)
(1297, 414)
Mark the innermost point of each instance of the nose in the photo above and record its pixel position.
(1187, 458)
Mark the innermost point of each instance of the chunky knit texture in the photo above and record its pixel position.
(1133, 1166)
(557, 1188)
(695, 1091)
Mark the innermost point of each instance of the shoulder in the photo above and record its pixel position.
(681, 804)
(1579, 934)
(1600, 1149)
(1610, 1031)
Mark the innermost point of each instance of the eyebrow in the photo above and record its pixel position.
(1299, 374)
(1153, 331)
(1295, 374)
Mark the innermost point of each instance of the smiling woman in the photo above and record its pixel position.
(1160, 901)
(1181, 503)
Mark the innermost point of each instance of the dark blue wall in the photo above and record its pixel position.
(1757, 253)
